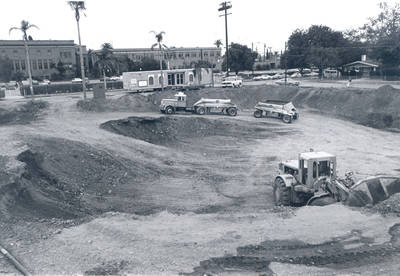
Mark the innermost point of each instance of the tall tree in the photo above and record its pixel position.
(241, 57)
(25, 26)
(218, 43)
(383, 34)
(79, 7)
(319, 46)
(105, 61)
(161, 47)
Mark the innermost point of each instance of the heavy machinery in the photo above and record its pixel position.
(201, 107)
(312, 180)
(275, 108)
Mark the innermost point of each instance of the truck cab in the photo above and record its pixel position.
(170, 106)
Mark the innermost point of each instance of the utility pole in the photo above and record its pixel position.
(265, 46)
(285, 64)
(225, 6)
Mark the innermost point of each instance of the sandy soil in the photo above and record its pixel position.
(200, 203)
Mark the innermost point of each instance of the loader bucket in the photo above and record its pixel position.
(373, 190)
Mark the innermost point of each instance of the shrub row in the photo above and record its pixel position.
(66, 88)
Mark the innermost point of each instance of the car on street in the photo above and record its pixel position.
(232, 82)
(262, 77)
(45, 82)
(289, 82)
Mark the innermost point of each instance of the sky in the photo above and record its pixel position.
(187, 23)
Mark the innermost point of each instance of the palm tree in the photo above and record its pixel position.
(161, 47)
(25, 26)
(78, 7)
(105, 60)
(218, 43)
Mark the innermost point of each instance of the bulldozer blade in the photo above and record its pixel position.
(373, 190)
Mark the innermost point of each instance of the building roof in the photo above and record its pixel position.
(362, 64)
(37, 43)
(172, 49)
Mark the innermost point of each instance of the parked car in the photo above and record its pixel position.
(262, 77)
(26, 82)
(45, 82)
(232, 82)
(296, 75)
(278, 76)
(289, 82)
(116, 78)
(79, 80)
(312, 74)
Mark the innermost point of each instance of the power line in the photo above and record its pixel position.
(225, 6)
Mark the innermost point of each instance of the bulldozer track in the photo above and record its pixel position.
(347, 251)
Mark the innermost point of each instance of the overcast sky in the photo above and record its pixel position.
(126, 23)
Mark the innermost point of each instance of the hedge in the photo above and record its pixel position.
(66, 88)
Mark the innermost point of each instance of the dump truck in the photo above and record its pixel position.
(284, 110)
(201, 107)
(312, 180)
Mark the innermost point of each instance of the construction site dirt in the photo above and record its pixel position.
(115, 187)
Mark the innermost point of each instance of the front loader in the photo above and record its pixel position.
(312, 180)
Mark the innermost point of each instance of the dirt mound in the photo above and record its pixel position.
(377, 108)
(130, 102)
(389, 206)
(174, 130)
(22, 114)
(67, 179)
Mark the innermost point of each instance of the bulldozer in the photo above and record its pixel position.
(312, 180)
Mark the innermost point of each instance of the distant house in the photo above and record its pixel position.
(361, 68)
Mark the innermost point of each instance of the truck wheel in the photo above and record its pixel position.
(201, 110)
(281, 193)
(232, 111)
(169, 110)
(258, 113)
(287, 119)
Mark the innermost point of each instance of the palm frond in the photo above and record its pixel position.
(32, 26)
(13, 28)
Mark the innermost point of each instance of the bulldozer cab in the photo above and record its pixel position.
(314, 165)
(180, 99)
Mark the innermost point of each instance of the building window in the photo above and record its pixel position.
(206, 54)
(194, 55)
(187, 55)
(179, 78)
(45, 64)
(34, 64)
(51, 63)
(211, 54)
(23, 66)
(17, 67)
(151, 80)
(191, 78)
(40, 64)
(170, 79)
(180, 55)
(160, 80)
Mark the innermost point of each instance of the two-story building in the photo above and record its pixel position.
(175, 58)
(44, 55)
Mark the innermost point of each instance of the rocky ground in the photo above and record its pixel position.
(128, 190)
